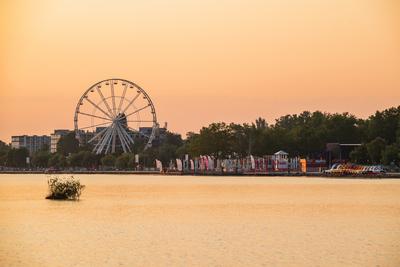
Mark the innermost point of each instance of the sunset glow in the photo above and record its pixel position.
(200, 61)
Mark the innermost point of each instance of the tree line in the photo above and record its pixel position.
(305, 135)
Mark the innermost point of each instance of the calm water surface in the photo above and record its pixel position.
(201, 221)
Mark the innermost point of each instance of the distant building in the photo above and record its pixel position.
(159, 137)
(55, 137)
(32, 143)
(145, 130)
(162, 133)
(280, 161)
(337, 152)
(281, 155)
(93, 136)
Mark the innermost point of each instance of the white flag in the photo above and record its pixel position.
(158, 165)
(179, 164)
(191, 164)
(210, 163)
(253, 163)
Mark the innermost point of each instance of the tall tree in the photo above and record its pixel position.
(122, 161)
(108, 160)
(384, 124)
(375, 149)
(17, 157)
(68, 144)
(391, 155)
(360, 155)
(41, 159)
(4, 149)
(57, 160)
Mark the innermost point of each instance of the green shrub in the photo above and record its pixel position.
(64, 188)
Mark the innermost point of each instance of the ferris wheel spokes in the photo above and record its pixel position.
(139, 133)
(94, 116)
(106, 139)
(99, 146)
(99, 108)
(104, 101)
(91, 126)
(127, 135)
(124, 141)
(97, 135)
(113, 97)
(140, 121)
(110, 138)
(136, 111)
(131, 102)
(122, 98)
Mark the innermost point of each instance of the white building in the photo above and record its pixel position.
(31, 142)
(281, 161)
(55, 137)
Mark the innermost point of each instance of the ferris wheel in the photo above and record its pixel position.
(113, 115)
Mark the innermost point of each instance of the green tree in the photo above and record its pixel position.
(57, 160)
(343, 128)
(89, 159)
(166, 152)
(192, 144)
(4, 149)
(307, 133)
(360, 155)
(147, 157)
(173, 139)
(260, 124)
(375, 149)
(17, 157)
(75, 160)
(122, 161)
(131, 162)
(41, 159)
(68, 144)
(240, 139)
(83, 159)
(398, 133)
(384, 124)
(108, 160)
(391, 154)
(216, 140)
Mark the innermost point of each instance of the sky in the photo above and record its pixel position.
(199, 61)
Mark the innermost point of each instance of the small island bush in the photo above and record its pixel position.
(64, 188)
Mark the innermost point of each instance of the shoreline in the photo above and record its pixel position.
(177, 173)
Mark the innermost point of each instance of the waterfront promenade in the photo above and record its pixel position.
(389, 175)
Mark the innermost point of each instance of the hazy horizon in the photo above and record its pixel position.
(199, 61)
(270, 122)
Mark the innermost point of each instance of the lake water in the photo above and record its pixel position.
(133, 220)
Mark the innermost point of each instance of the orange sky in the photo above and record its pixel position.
(200, 61)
